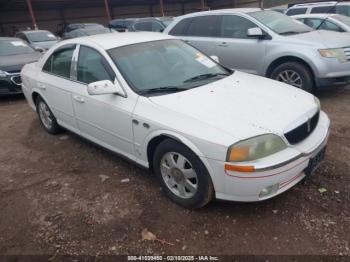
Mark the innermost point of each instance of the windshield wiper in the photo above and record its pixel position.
(165, 89)
(204, 77)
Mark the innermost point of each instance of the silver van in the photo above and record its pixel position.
(268, 43)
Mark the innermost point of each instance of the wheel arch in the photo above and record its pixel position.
(154, 139)
(285, 59)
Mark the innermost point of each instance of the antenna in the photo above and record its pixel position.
(330, 11)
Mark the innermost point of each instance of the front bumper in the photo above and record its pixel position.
(330, 72)
(281, 171)
(11, 84)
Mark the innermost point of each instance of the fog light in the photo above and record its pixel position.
(270, 190)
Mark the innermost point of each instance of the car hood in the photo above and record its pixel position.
(243, 105)
(329, 39)
(15, 63)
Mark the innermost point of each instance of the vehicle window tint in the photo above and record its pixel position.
(206, 26)
(92, 66)
(322, 10)
(343, 10)
(235, 26)
(157, 27)
(181, 27)
(296, 11)
(60, 62)
(143, 26)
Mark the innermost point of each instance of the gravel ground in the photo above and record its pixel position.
(64, 195)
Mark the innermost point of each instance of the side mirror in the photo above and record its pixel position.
(39, 49)
(255, 32)
(215, 58)
(105, 87)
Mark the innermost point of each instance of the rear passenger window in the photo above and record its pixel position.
(206, 26)
(143, 26)
(92, 66)
(181, 27)
(59, 63)
(323, 10)
(296, 11)
(235, 26)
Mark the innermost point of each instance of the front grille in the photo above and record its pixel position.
(16, 80)
(303, 131)
(347, 52)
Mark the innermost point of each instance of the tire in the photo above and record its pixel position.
(182, 175)
(47, 119)
(294, 70)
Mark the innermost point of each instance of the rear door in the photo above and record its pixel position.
(56, 85)
(238, 51)
(202, 33)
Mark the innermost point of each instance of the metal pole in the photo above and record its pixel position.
(203, 5)
(261, 4)
(161, 7)
(29, 4)
(107, 10)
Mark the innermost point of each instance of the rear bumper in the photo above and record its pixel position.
(11, 84)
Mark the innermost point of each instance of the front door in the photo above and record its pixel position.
(104, 119)
(238, 51)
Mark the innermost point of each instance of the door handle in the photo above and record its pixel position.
(41, 86)
(79, 99)
(223, 44)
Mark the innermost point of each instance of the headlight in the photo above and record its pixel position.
(318, 103)
(334, 53)
(3, 73)
(255, 148)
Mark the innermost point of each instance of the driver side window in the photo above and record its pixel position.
(235, 27)
(93, 67)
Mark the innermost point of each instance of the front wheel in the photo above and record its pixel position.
(183, 176)
(295, 74)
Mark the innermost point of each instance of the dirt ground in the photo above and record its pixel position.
(64, 195)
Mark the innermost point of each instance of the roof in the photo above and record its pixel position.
(33, 31)
(320, 4)
(322, 16)
(109, 41)
(223, 11)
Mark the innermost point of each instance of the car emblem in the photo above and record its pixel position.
(309, 125)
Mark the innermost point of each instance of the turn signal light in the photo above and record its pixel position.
(239, 168)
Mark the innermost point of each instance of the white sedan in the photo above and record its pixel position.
(205, 131)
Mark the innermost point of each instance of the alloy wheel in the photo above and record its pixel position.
(178, 175)
(45, 115)
(290, 77)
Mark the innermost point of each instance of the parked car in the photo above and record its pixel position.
(270, 44)
(86, 32)
(66, 28)
(150, 24)
(342, 8)
(14, 54)
(204, 130)
(121, 25)
(331, 22)
(39, 40)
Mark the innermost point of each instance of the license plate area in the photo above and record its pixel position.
(315, 162)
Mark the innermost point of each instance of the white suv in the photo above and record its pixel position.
(320, 8)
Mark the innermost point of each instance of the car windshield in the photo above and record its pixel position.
(41, 36)
(343, 19)
(280, 23)
(14, 47)
(165, 66)
(168, 21)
